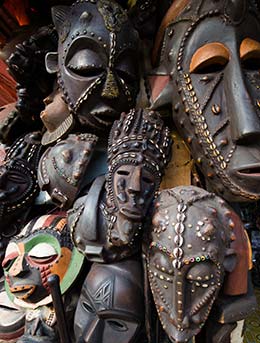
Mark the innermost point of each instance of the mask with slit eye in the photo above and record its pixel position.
(212, 52)
(62, 167)
(110, 307)
(97, 67)
(138, 151)
(42, 248)
(18, 183)
(188, 256)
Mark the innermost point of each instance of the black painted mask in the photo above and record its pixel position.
(188, 255)
(18, 182)
(97, 67)
(110, 307)
(212, 52)
(62, 167)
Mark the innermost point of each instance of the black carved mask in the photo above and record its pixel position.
(213, 50)
(97, 67)
(188, 255)
(110, 307)
(138, 151)
(62, 167)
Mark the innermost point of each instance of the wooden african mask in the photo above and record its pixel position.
(42, 248)
(110, 307)
(96, 60)
(189, 253)
(62, 167)
(211, 50)
(138, 151)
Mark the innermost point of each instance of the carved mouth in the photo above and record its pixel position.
(250, 171)
(105, 117)
(132, 213)
(23, 292)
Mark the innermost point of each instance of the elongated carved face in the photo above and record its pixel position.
(110, 304)
(187, 259)
(214, 60)
(134, 187)
(35, 254)
(97, 61)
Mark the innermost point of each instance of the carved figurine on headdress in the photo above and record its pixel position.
(41, 249)
(107, 222)
(191, 249)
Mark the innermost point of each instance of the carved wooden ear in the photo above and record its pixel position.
(51, 62)
(230, 260)
(59, 15)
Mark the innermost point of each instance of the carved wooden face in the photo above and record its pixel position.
(187, 259)
(110, 304)
(134, 187)
(35, 254)
(216, 66)
(97, 61)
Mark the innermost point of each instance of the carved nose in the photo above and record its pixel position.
(19, 266)
(244, 121)
(135, 180)
(94, 333)
(110, 90)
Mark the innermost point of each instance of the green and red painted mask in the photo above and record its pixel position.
(41, 249)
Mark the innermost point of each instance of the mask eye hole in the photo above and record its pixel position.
(250, 54)
(210, 58)
(88, 307)
(123, 172)
(117, 325)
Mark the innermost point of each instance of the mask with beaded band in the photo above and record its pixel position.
(207, 47)
(138, 151)
(190, 251)
(95, 63)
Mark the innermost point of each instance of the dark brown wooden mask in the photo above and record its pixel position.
(96, 60)
(110, 307)
(212, 50)
(188, 255)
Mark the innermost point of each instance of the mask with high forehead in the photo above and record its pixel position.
(97, 67)
(42, 248)
(110, 308)
(188, 255)
(211, 50)
(138, 151)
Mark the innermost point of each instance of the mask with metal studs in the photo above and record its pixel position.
(110, 308)
(211, 51)
(189, 253)
(96, 60)
(18, 183)
(62, 167)
(42, 248)
(138, 151)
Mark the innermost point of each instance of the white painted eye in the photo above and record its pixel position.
(42, 250)
(11, 249)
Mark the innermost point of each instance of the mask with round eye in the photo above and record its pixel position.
(104, 306)
(189, 253)
(203, 60)
(41, 249)
(96, 66)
